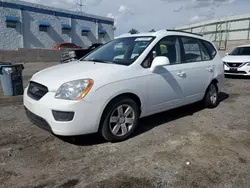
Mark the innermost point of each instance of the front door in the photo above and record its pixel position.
(165, 84)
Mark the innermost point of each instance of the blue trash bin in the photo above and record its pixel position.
(11, 79)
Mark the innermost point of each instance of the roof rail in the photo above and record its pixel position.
(185, 32)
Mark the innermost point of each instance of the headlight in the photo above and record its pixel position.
(72, 54)
(74, 90)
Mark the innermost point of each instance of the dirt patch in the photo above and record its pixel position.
(14, 100)
(232, 98)
(122, 181)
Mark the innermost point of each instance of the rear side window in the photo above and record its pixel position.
(210, 48)
(204, 52)
(194, 50)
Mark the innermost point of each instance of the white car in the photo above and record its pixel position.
(126, 79)
(238, 61)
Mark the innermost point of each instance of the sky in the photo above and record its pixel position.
(145, 15)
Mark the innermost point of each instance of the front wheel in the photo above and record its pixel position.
(120, 119)
(211, 99)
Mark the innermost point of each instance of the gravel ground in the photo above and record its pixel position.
(186, 147)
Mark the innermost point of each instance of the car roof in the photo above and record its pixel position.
(162, 33)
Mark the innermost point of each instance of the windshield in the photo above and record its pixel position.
(123, 51)
(241, 51)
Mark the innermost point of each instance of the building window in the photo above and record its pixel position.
(66, 29)
(101, 31)
(43, 26)
(85, 31)
(43, 29)
(11, 22)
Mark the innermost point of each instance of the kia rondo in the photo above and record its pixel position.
(128, 78)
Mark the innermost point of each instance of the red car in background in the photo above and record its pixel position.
(65, 46)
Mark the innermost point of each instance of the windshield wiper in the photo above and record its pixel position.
(99, 61)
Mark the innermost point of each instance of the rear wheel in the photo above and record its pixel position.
(211, 98)
(120, 119)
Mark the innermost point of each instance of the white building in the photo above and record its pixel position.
(28, 25)
(225, 32)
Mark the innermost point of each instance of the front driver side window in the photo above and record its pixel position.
(169, 47)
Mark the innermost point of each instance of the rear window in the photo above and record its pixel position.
(210, 48)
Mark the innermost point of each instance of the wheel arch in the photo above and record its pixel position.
(215, 82)
(130, 95)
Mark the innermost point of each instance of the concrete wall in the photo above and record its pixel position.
(37, 39)
(87, 39)
(30, 55)
(9, 36)
(27, 34)
(237, 27)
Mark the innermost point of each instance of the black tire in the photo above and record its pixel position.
(105, 129)
(208, 101)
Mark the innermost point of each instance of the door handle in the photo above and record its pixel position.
(181, 74)
(210, 69)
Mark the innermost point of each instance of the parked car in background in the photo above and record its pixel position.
(75, 54)
(238, 61)
(66, 46)
(131, 77)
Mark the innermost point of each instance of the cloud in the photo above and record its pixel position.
(196, 4)
(110, 15)
(197, 18)
(122, 12)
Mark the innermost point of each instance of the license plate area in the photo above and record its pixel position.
(233, 70)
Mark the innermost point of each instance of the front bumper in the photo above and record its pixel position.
(244, 70)
(85, 121)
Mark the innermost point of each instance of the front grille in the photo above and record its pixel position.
(234, 64)
(36, 91)
(40, 122)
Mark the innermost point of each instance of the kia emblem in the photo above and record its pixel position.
(34, 90)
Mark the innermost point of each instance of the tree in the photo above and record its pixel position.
(152, 30)
(133, 31)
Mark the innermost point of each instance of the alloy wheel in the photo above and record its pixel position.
(122, 120)
(213, 94)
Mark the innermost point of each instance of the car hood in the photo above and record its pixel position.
(236, 59)
(54, 77)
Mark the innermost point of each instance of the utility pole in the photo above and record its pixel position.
(81, 5)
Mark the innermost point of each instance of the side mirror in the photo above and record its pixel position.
(227, 54)
(159, 62)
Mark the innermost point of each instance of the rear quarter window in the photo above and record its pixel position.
(210, 48)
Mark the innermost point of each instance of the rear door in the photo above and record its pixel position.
(197, 68)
